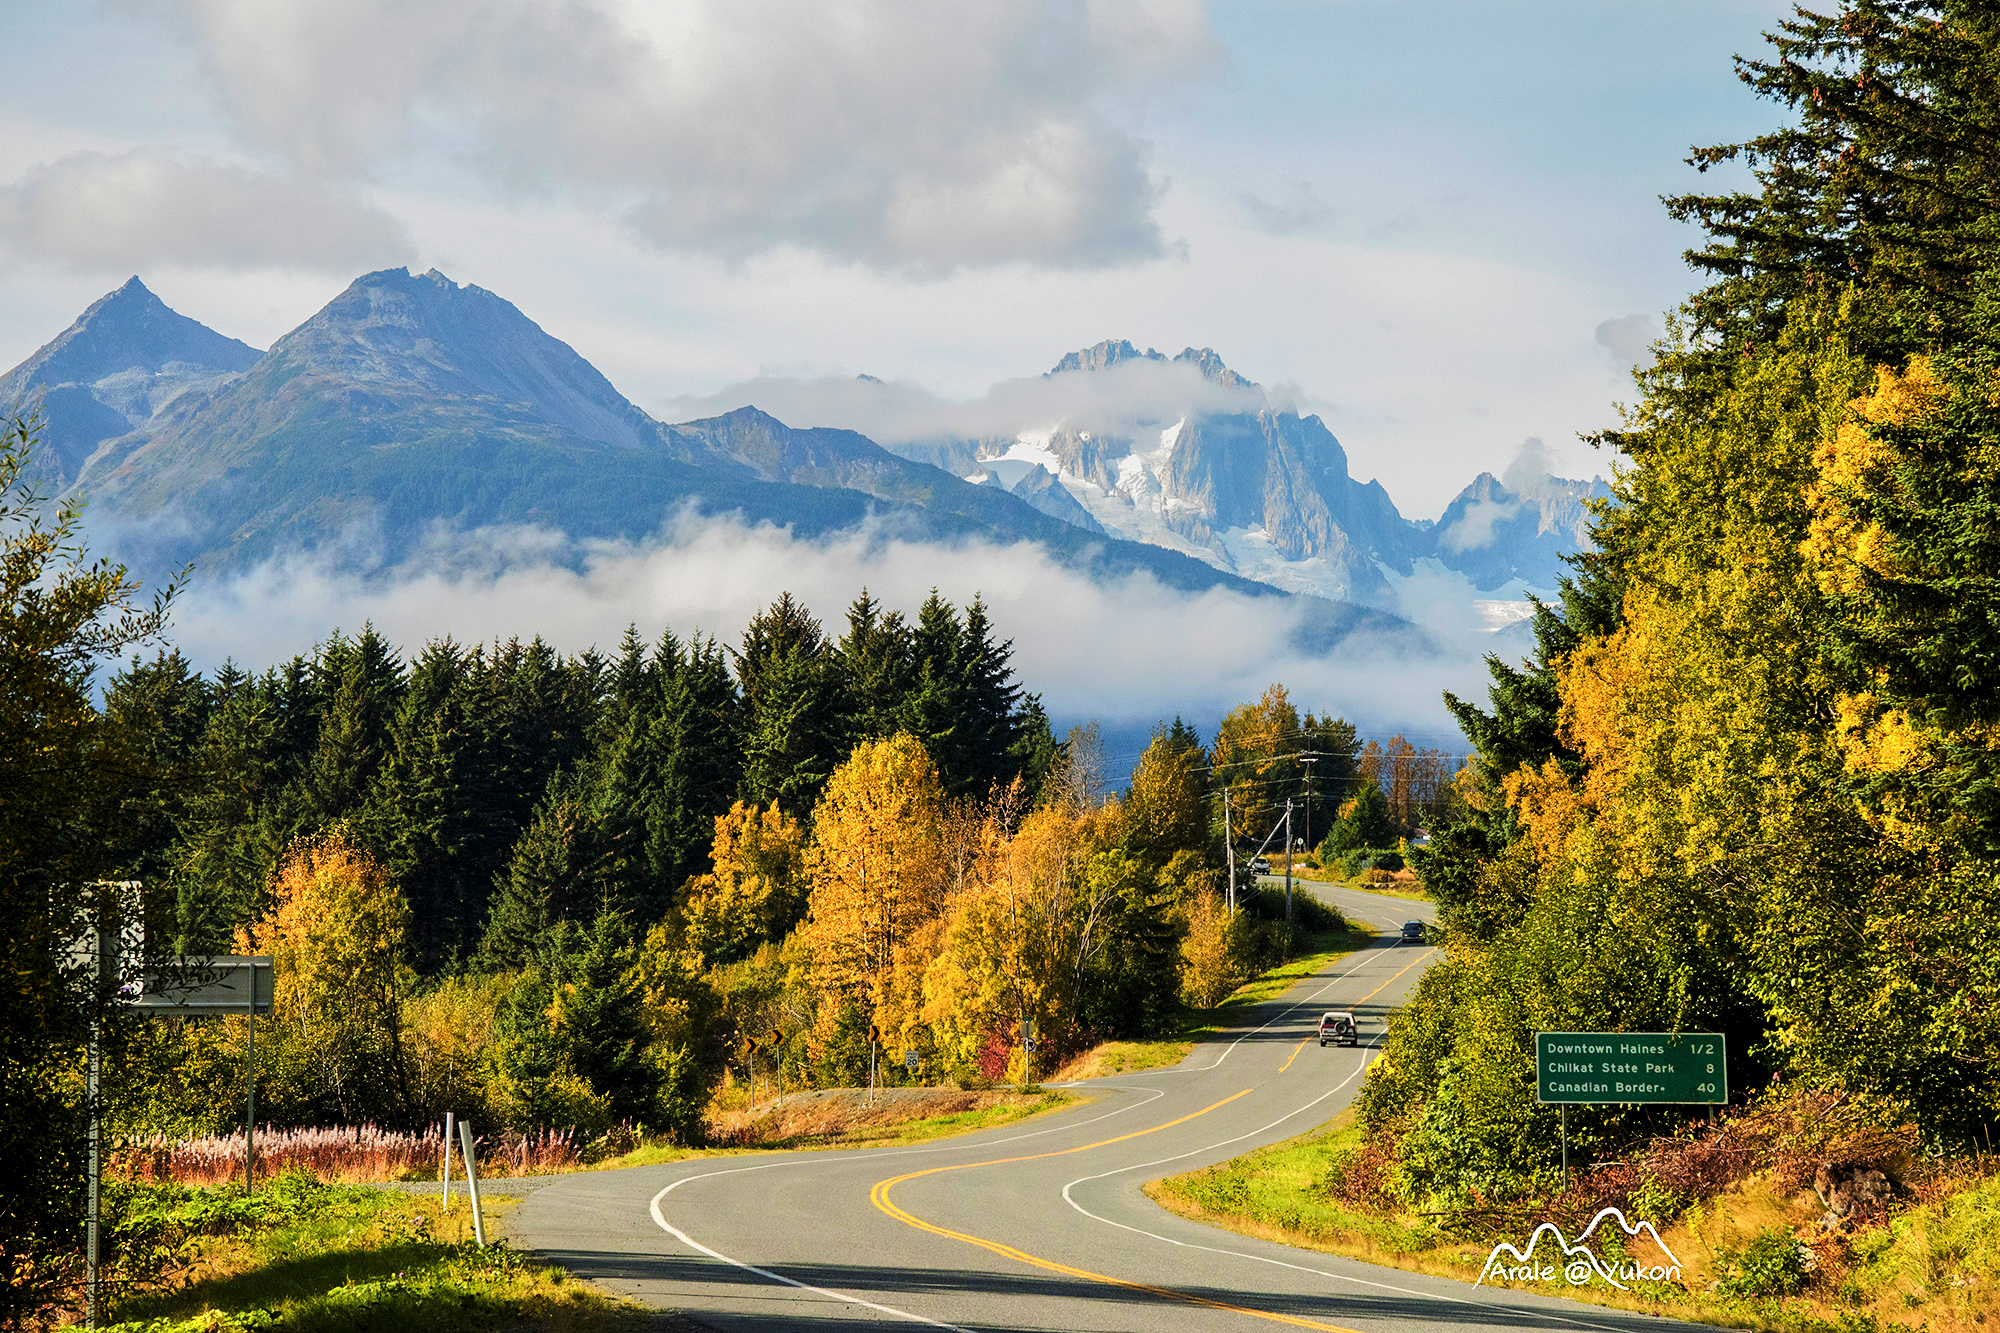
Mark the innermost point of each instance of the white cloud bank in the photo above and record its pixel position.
(916, 138)
(1119, 399)
(129, 211)
(1126, 651)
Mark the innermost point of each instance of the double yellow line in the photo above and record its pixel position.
(879, 1196)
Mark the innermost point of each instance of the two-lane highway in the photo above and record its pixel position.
(1041, 1225)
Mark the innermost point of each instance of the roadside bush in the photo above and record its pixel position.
(1771, 1263)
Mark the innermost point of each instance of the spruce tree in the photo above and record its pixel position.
(794, 733)
(934, 710)
(875, 669)
(991, 699)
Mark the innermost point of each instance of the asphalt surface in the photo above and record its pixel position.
(1040, 1225)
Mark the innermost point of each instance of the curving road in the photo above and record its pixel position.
(1040, 1225)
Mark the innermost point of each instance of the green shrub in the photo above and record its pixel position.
(1771, 1263)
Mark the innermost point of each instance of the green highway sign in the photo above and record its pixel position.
(1628, 1067)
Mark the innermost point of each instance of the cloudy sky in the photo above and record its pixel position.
(1432, 221)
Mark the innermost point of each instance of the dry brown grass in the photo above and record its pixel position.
(846, 1116)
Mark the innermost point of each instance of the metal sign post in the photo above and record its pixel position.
(187, 987)
(110, 953)
(96, 1169)
(117, 933)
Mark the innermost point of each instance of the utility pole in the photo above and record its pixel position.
(106, 946)
(1288, 863)
(1309, 761)
(1229, 848)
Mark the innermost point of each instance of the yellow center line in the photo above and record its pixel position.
(879, 1196)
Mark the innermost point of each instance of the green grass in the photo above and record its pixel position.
(332, 1258)
(1935, 1266)
(1282, 1189)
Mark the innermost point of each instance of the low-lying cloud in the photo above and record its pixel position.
(132, 211)
(1126, 651)
(1121, 400)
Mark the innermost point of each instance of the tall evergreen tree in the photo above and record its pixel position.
(991, 699)
(356, 684)
(793, 732)
(699, 730)
(1884, 179)
(875, 664)
(934, 710)
(554, 875)
(161, 709)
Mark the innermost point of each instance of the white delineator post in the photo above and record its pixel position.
(449, 1117)
(472, 1180)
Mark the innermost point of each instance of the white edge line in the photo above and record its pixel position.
(1284, 1014)
(844, 1298)
(660, 1219)
(1280, 1263)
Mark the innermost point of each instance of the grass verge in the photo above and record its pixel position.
(845, 1118)
(301, 1255)
(1935, 1265)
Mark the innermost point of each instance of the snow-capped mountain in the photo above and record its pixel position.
(412, 405)
(1235, 479)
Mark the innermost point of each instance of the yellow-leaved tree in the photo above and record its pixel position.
(756, 889)
(335, 935)
(1021, 943)
(877, 876)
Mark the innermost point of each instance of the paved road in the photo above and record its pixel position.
(1041, 1225)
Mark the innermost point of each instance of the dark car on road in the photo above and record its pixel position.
(1414, 932)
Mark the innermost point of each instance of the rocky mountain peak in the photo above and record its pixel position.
(392, 330)
(1210, 365)
(125, 359)
(125, 330)
(1104, 355)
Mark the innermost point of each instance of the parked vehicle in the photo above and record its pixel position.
(1262, 865)
(1414, 932)
(1338, 1028)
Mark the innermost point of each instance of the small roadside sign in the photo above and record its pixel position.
(1630, 1068)
(227, 985)
(1028, 1044)
(910, 1061)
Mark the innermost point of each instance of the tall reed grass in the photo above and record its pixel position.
(359, 1154)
